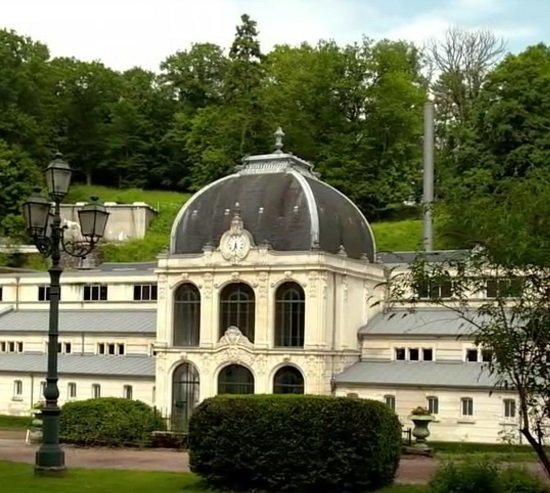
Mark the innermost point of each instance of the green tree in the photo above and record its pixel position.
(18, 175)
(135, 146)
(196, 77)
(220, 135)
(245, 75)
(506, 141)
(24, 85)
(85, 94)
(355, 112)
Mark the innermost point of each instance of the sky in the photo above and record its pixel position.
(127, 33)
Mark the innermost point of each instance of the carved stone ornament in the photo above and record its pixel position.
(234, 337)
(236, 242)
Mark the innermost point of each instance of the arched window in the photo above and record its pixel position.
(288, 380)
(237, 307)
(185, 395)
(289, 315)
(235, 379)
(187, 315)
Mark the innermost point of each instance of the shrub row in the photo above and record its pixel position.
(485, 477)
(111, 421)
(294, 443)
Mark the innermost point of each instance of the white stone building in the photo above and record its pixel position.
(269, 285)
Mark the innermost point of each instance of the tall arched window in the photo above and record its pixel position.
(187, 315)
(288, 380)
(185, 395)
(289, 315)
(235, 379)
(237, 307)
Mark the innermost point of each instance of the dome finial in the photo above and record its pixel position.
(279, 134)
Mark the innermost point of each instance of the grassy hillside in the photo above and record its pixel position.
(390, 236)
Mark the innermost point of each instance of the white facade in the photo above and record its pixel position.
(229, 313)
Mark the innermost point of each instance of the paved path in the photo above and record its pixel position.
(412, 470)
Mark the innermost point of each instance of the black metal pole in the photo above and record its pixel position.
(50, 458)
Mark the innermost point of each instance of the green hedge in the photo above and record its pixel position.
(111, 421)
(294, 443)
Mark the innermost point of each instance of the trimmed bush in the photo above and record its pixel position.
(111, 421)
(294, 443)
(484, 477)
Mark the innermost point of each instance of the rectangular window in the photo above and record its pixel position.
(433, 289)
(71, 390)
(96, 391)
(509, 408)
(471, 355)
(400, 353)
(20, 347)
(390, 401)
(127, 392)
(95, 292)
(17, 388)
(121, 349)
(145, 292)
(1, 293)
(427, 354)
(43, 293)
(3, 346)
(504, 288)
(111, 348)
(11, 347)
(67, 347)
(101, 348)
(467, 406)
(432, 403)
(414, 354)
(486, 355)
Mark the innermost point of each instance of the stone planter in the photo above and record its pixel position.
(35, 434)
(420, 431)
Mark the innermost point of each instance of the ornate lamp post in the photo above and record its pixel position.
(44, 227)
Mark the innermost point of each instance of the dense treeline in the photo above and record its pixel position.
(353, 110)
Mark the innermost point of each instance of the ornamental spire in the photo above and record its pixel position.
(279, 134)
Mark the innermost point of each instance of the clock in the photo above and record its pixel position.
(236, 242)
(235, 246)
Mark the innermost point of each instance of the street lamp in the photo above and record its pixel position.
(45, 229)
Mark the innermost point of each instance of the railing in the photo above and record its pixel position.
(407, 436)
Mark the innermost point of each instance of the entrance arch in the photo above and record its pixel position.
(235, 379)
(185, 395)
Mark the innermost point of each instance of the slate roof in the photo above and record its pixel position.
(282, 202)
(90, 321)
(417, 373)
(126, 266)
(432, 257)
(420, 322)
(77, 364)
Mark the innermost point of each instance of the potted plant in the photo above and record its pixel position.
(421, 418)
(35, 434)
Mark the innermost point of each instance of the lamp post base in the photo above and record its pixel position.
(50, 462)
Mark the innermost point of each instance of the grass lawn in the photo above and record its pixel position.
(19, 478)
(484, 451)
(14, 422)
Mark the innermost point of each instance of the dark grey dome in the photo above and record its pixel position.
(281, 202)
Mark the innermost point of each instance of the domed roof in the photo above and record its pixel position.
(282, 202)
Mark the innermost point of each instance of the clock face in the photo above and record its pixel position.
(235, 246)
